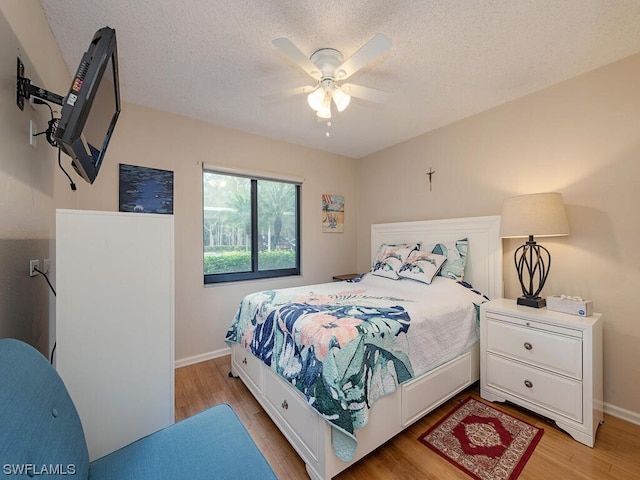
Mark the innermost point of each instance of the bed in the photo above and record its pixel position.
(343, 367)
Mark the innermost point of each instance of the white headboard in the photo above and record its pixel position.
(484, 258)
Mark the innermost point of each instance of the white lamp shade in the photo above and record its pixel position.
(325, 108)
(538, 214)
(315, 98)
(340, 98)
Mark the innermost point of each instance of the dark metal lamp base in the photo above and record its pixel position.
(535, 302)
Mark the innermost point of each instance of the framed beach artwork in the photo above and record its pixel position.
(333, 213)
(145, 190)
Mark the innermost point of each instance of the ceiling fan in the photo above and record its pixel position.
(328, 68)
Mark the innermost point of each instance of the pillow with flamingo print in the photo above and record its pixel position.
(389, 260)
(422, 266)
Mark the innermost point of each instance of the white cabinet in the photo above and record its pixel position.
(548, 362)
(115, 322)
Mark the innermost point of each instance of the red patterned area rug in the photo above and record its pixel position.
(483, 442)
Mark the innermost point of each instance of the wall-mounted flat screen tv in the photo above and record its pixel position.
(91, 108)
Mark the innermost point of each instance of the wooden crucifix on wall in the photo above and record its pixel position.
(430, 173)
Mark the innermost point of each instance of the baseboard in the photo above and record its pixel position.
(618, 412)
(203, 357)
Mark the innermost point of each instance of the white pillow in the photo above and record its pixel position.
(422, 266)
(389, 260)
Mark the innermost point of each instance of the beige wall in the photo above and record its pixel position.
(27, 175)
(581, 138)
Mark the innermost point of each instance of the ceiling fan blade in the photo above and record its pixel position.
(288, 93)
(365, 55)
(365, 93)
(295, 55)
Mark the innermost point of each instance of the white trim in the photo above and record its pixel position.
(203, 357)
(252, 173)
(621, 413)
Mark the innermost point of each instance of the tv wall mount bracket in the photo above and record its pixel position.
(24, 89)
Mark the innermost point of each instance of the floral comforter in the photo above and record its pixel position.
(345, 345)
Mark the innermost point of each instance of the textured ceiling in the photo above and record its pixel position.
(213, 59)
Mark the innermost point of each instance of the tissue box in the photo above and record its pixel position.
(571, 305)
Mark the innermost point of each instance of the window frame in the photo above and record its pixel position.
(255, 273)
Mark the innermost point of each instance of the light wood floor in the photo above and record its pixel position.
(616, 454)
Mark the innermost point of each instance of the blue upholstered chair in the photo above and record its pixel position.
(41, 434)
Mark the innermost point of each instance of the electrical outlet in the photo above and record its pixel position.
(33, 129)
(33, 264)
(46, 265)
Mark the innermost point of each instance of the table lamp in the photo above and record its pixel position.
(534, 215)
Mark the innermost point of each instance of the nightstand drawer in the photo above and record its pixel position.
(548, 350)
(553, 392)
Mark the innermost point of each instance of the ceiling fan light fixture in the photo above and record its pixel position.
(327, 66)
(315, 98)
(325, 108)
(341, 99)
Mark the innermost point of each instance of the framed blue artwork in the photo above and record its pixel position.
(145, 190)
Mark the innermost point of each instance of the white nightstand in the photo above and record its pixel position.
(548, 362)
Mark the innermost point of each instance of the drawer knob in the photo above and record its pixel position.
(528, 383)
(528, 346)
(285, 405)
(244, 361)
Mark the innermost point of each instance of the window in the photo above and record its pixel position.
(251, 227)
